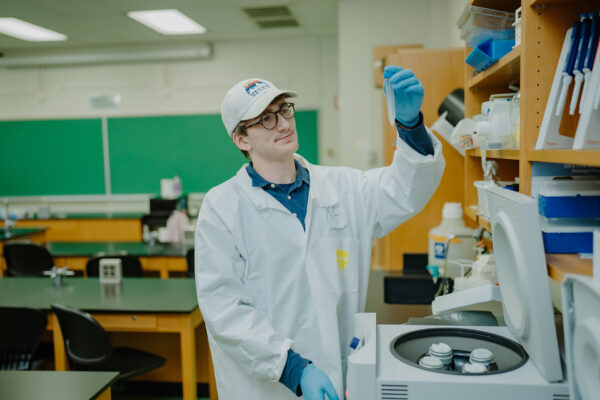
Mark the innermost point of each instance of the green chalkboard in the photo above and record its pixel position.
(65, 157)
(145, 149)
(51, 157)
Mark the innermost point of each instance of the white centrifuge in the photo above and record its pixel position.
(393, 362)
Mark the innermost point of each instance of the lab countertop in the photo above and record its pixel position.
(132, 295)
(100, 215)
(64, 385)
(390, 313)
(139, 249)
(16, 233)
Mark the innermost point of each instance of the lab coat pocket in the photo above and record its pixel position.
(337, 260)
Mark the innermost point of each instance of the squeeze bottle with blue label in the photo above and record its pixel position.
(451, 241)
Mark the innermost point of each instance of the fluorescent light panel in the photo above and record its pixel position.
(24, 30)
(167, 22)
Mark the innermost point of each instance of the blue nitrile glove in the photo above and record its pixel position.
(315, 384)
(408, 94)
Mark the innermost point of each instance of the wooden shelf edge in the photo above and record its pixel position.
(512, 57)
(499, 154)
(546, 2)
(471, 212)
(485, 223)
(561, 264)
(579, 157)
(502, 5)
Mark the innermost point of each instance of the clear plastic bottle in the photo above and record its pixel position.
(177, 185)
(460, 247)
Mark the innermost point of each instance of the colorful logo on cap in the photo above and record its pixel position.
(255, 87)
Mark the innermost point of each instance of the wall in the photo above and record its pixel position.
(319, 67)
(306, 64)
(363, 25)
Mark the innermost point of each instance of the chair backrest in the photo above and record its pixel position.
(189, 257)
(130, 265)
(163, 205)
(27, 259)
(86, 342)
(20, 335)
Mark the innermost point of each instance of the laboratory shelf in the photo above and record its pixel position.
(579, 157)
(472, 213)
(502, 73)
(558, 264)
(561, 264)
(501, 154)
(503, 5)
(484, 223)
(544, 2)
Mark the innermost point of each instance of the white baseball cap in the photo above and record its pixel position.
(247, 99)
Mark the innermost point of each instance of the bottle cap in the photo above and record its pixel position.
(431, 362)
(473, 368)
(482, 356)
(452, 210)
(440, 350)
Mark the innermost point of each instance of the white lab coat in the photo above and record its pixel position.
(265, 285)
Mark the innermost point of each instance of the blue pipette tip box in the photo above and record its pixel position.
(488, 52)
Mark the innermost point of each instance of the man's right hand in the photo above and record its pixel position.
(315, 384)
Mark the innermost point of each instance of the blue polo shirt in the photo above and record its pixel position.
(294, 197)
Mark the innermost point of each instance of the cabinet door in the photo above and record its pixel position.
(441, 71)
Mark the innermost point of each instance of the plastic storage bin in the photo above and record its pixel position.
(488, 52)
(569, 199)
(568, 235)
(478, 23)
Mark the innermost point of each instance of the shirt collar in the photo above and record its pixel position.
(302, 176)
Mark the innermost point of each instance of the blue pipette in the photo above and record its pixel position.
(590, 56)
(568, 70)
(579, 60)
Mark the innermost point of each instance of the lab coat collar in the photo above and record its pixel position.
(321, 191)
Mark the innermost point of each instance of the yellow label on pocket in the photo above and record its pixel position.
(342, 258)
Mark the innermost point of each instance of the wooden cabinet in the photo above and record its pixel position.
(89, 229)
(441, 72)
(532, 66)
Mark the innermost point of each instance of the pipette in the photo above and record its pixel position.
(590, 56)
(579, 60)
(568, 70)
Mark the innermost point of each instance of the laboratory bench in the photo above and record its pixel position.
(71, 385)
(18, 233)
(155, 315)
(163, 258)
(81, 227)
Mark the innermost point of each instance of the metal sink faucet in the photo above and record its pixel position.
(8, 223)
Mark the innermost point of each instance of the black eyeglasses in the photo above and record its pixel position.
(270, 119)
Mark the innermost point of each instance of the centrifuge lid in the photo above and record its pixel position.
(581, 302)
(523, 278)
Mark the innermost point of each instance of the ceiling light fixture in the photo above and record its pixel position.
(24, 58)
(26, 31)
(167, 22)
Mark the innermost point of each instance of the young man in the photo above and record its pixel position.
(283, 248)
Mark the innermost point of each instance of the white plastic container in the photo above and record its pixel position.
(482, 204)
(442, 247)
(517, 25)
(479, 23)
